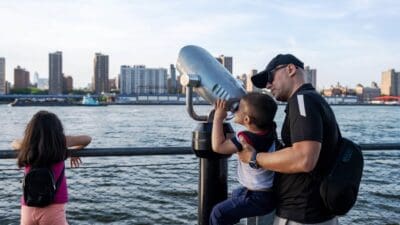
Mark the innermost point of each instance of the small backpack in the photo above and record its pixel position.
(40, 187)
(339, 189)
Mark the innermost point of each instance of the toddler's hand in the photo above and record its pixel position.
(220, 113)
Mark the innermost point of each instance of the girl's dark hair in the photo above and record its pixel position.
(44, 141)
(261, 109)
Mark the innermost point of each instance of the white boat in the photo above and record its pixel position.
(90, 101)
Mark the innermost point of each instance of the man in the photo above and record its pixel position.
(310, 137)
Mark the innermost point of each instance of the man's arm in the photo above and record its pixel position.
(305, 122)
(301, 157)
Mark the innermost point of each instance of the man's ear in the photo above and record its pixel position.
(291, 70)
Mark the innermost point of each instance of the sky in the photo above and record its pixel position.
(347, 41)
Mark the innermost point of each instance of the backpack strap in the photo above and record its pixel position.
(278, 143)
(340, 134)
(340, 140)
(319, 175)
(59, 179)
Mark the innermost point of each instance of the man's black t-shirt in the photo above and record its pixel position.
(308, 118)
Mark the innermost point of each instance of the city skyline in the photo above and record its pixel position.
(349, 42)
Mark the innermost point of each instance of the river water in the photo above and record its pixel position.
(163, 189)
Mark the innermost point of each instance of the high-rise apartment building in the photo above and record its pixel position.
(390, 83)
(8, 87)
(227, 61)
(172, 82)
(310, 76)
(179, 88)
(141, 80)
(172, 71)
(21, 78)
(243, 80)
(55, 73)
(68, 84)
(2, 76)
(100, 78)
(112, 83)
(249, 84)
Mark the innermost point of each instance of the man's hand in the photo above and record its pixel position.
(220, 113)
(247, 152)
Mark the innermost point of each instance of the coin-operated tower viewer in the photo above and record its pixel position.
(202, 73)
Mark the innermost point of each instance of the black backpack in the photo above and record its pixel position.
(339, 189)
(40, 187)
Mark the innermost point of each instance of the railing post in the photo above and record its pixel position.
(213, 174)
(213, 186)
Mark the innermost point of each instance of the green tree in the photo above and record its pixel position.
(79, 92)
(27, 91)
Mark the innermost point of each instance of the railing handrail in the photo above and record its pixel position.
(99, 152)
(380, 146)
(141, 151)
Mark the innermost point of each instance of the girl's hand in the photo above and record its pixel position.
(75, 162)
(16, 144)
(220, 113)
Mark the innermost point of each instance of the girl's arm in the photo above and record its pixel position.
(78, 141)
(218, 141)
(16, 144)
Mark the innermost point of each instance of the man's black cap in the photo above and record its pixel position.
(260, 79)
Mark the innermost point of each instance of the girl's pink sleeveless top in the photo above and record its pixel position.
(62, 193)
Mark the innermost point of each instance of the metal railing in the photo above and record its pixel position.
(146, 151)
(142, 151)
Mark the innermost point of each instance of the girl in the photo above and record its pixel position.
(45, 145)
